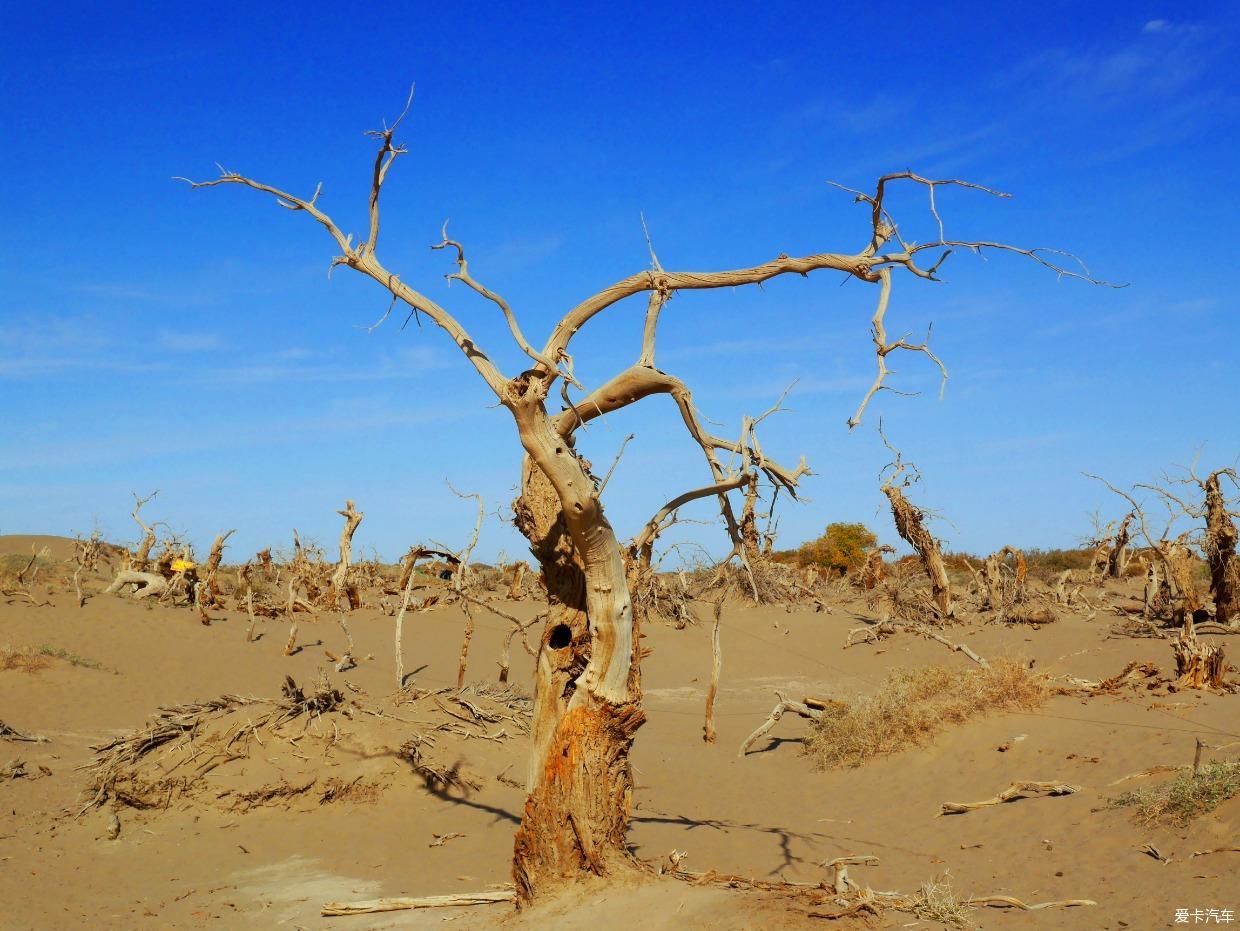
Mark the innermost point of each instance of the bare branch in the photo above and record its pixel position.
(656, 525)
(575, 319)
(387, 154)
(882, 348)
(615, 462)
(462, 275)
(363, 259)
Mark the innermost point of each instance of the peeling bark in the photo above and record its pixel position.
(587, 700)
(1117, 554)
(210, 596)
(1220, 548)
(910, 524)
(340, 584)
(1197, 665)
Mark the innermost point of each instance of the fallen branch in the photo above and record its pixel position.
(9, 733)
(776, 713)
(1011, 793)
(1007, 901)
(1206, 853)
(1152, 771)
(426, 901)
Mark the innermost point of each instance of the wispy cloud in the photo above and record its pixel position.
(136, 442)
(1161, 60)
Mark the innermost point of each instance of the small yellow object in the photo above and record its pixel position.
(182, 565)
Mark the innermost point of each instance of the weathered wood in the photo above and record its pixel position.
(458, 900)
(1014, 791)
(910, 524)
(777, 712)
(1198, 665)
(211, 597)
(1220, 550)
(708, 729)
(147, 583)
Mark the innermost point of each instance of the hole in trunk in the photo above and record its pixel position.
(561, 636)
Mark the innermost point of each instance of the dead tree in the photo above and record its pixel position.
(1198, 665)
(1175, 585)
(1220, 548)
(460, 579)
(211, 597)
(518, 576)
(340, 584)
(1117, 554)
(999, 593)
(1216, 538)
(134, 568)
(87, 553)
(588, 688)
(910, 523)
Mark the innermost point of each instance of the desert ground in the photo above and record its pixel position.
(264, 814)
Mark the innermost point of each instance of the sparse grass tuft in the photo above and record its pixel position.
(33, 659)
(72, 659)
(1186, 796)
(26, 659)
(913, 705)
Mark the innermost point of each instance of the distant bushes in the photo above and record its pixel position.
(842, 548)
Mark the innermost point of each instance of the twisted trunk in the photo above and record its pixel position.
(340, 584)
(1117, 556)
(587, 701)
(211, 597)
(1220, 547)
(910, 524)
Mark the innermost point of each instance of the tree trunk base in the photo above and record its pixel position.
(577, 814)
(1198, 665)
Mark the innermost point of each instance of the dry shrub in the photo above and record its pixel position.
(913, 705)
(905, 595)
(33, 659)
(771, 582)
(667, 597)
(26, 659)
(1185, 797)
(936, 900)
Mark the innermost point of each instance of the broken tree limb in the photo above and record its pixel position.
(957, 647)
(1011, 793)
(466, 637)
(1198, 665)
(426, 901)
(875, 633)
(10, 733)
(777, 712)
(147, 583)
(1007, 901)
(708, 730)
(1206, 853)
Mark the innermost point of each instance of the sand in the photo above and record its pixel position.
(210, 862)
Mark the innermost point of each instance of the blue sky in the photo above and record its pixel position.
(190, 341)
